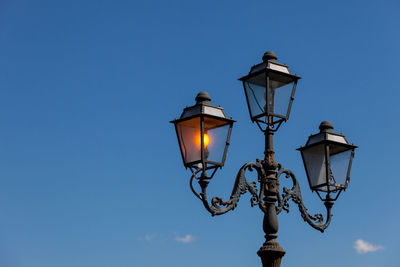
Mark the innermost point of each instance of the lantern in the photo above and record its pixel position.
(327, 158)
(203, 132)
(269, 88)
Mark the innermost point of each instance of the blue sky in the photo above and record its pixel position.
(90, 171)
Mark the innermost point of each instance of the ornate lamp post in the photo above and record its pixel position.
(203, 132)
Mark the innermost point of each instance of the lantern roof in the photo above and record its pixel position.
(203, 107)
(270, 64)
(327, 135)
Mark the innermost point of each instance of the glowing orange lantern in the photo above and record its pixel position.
(203, 132)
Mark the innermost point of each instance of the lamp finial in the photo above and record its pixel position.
(326, 126)
(203, 97)
(269, 56)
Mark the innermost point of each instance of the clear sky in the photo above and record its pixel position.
(90, 170)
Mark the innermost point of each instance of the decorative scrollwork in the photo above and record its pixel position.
(294, 193)
(240, 187)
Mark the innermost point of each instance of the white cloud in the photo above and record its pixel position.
(186, 239)
(363, 247)
(148, 237)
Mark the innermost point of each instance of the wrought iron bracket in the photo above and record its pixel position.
(316, 221)
(241, 186)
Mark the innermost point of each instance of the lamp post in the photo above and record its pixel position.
(203, 132)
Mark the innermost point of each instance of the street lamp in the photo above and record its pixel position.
(203, 132)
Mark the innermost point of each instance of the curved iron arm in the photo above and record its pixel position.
(191, 183)
(294, 193)
(240, 187)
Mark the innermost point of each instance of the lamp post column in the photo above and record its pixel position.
(271, 252)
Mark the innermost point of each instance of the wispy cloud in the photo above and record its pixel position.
(363, 247)
(148, 237)
(159, 238)
(185, 239)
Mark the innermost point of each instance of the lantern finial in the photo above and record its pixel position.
(269, 56)
(326, 126)
(203, 97)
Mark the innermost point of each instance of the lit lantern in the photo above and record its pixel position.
(269, 89)
(327, 158)
(203, 132)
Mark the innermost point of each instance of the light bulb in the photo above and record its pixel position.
(206, 140)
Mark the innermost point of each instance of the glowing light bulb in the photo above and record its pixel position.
(206, 140)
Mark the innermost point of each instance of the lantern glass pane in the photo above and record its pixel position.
(279, 95)
(255, 92)
(280, 92)
(339, 164)
(216, 132)
(189, 139)
(314, 161)
(281, 100)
